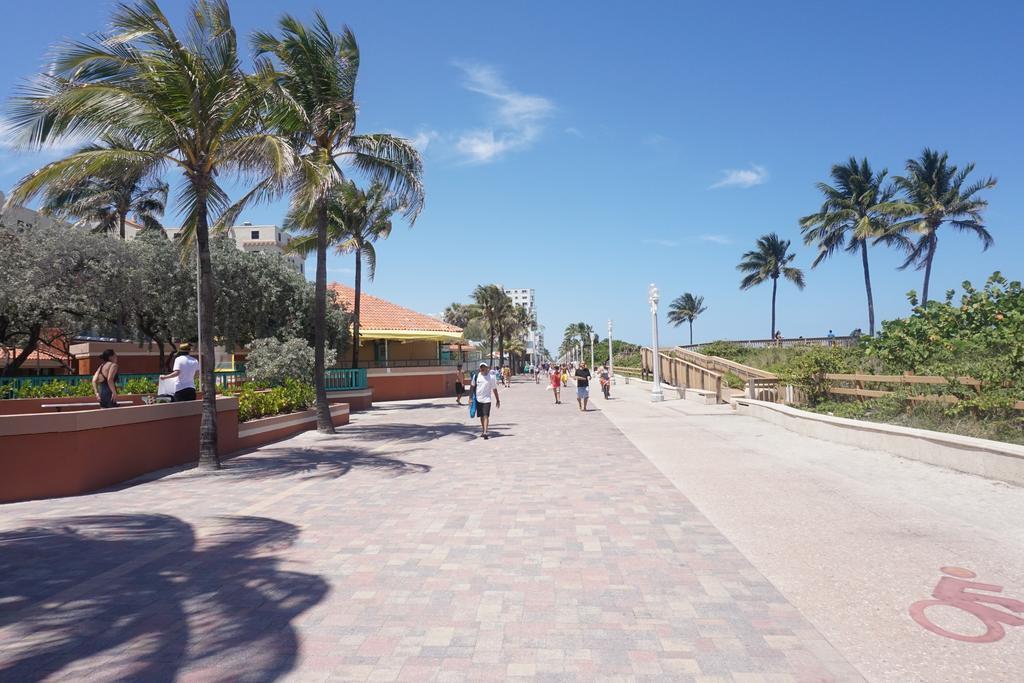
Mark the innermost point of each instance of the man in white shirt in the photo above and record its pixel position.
(185, 370)
(485, 385)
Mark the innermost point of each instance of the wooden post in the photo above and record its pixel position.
(751, 388)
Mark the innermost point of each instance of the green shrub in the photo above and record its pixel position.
(139, 385)
(290, 397)
(271, 361)
(805, 370)
(56, 389)
(727, 350)
(733, 381)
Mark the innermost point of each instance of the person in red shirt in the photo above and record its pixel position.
(556, 383)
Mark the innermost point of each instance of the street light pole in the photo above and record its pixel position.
(652, 299)
(611, 359)
(592, 340)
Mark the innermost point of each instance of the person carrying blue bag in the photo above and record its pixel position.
(482, 388)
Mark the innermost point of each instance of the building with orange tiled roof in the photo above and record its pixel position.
(394, 336)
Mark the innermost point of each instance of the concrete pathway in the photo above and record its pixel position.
(851, 537)
(404, 548)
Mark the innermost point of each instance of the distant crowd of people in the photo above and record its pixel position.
(483, 384)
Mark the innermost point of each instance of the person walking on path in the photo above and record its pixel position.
(460, 388)
(605, 376)
(185, 370)
(104, 381)
(556, 383)
(484, 386)
(506, 375)
(582, 386)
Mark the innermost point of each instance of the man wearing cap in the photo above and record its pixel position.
(484, 386)
(185, 370)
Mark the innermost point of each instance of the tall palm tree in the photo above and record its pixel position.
(488, 300)
(357, 219)
(686, 309)
(769, 261)
(858, 208)
(106, 200)
(186, 101)
(934, 193)
(315, 71)
(459, 314)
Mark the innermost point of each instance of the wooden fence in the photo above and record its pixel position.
(683, 374)
(785, 343)
(860, 391)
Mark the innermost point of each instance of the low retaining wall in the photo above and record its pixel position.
(403, 384)
(268, 429)
(27, 406)
(357, 399)
(985, 458)
(49, 455)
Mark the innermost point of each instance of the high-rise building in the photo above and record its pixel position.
(526, 297)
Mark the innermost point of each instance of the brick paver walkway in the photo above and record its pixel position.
(401, 549)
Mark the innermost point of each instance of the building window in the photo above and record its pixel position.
(254, 234)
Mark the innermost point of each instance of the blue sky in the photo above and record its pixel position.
(591, 148)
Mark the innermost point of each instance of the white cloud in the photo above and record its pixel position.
(422, 139)
(742, 177)
(573, 130)
(661, 243)
(716, 239)
(517, 117)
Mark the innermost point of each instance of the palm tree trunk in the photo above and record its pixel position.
(775, 287)
(932, 243)
(324, 425)
(356, 307)
(867, 287)
(691, 332)
(501, 345)
(121, 218)
(208, 456)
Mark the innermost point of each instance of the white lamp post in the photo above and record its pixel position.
(611, 359)
(593, 340)
(652, 299)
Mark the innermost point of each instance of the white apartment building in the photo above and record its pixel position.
(249, 237)
(21, 218)
(526, 297)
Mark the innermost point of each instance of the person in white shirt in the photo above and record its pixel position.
(485, 385)
(185, 370)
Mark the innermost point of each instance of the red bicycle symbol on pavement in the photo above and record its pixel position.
(952, 591)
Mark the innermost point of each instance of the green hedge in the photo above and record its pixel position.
(292, 396)
(55, 389)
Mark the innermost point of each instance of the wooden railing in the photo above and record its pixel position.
(858, 389)
(683, 374)
(721, 365)
(785, 343)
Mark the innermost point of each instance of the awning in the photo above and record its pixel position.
(408, 335)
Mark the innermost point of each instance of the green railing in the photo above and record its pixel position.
(10, 386)
(343, 379)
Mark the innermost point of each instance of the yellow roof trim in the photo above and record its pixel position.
(409, 335)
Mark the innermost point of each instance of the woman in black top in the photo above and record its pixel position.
(104, 382)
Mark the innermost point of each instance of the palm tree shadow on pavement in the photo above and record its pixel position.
(316, 463)
(136, 597)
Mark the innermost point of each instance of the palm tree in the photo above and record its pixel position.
(357, 220)
(315, 72)
(460, 315)
(106, 201)
(858, 207)
(685, 309)
(186, 101)
(770, 260)
(489, 301)
(934, 194)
